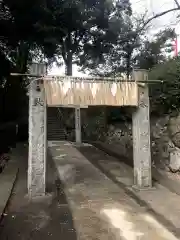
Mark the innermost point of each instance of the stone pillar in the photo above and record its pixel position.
(37, 141)
(141, 135)
(78, 125)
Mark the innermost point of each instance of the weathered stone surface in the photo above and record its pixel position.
(174, 130)
(160, 141)
(174, 159)
(121, 135)
(78, 124)
(165, 135)
(37, 142)
(164, 152)
(174, 164)
(100, 208)
(141, 141)
(94, 124)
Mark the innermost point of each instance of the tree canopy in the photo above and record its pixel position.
(99, 35)
(155, 51)
(165, 97)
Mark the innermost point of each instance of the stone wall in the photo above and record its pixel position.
(93, 122)
(165, 136)
(94, 125)
(121, 135)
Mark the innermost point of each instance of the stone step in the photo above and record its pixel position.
(55, 127)
(56, 138)
(55, 130)
(53, 134)
(54, 120)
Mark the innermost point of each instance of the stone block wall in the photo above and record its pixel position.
(164, 141)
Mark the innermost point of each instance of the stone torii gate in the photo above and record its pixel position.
(54, 92)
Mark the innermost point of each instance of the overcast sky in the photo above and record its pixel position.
(156, 6)
(152, 7)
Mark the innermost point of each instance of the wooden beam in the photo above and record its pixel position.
(68, 106)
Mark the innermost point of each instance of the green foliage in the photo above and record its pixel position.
(130, 48)
(85, 23)
(155, 51)
(109, 48)
(30, 28)
(165, 97)
(100, 35)
(49, 29)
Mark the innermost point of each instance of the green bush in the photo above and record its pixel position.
(165, 97)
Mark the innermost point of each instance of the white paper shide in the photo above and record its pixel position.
(66, 86)
(94, 89)
(114, 89)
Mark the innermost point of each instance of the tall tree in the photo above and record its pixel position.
(166, 97)
(162, 13)
(27, 28)
(155, 51)
(81, 19)
(96, 50)
(122, 38)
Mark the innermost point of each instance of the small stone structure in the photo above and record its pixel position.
(141, 137)
(37, 141)
(37, 128)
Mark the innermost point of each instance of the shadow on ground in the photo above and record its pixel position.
(44, 218)
(98, 155)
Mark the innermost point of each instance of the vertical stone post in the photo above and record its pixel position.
(78, 125)
(141, 135)
(37, 141)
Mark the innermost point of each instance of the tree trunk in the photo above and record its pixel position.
(22, 57)
(128, 65)
(69, 55)
(69, 66)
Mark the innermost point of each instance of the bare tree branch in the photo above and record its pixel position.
(160, 15)
(177, 3)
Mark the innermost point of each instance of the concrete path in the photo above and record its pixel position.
(81, 203)
(162, 201)
(100, 208)
(44, 218)
(7, 179)
(167, 180)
